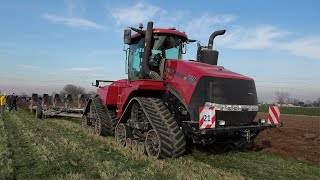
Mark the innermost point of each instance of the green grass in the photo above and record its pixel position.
(59, 149)
(5, 161)
(311, 111)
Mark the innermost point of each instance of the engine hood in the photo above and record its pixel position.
(215, 71)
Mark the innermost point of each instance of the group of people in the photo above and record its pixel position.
(13, 102)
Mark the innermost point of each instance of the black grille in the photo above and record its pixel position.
(224, 91)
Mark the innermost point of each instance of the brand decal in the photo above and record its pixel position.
(189, 78)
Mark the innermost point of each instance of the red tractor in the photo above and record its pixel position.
(166, 100)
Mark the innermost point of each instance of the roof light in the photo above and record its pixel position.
(141, 26)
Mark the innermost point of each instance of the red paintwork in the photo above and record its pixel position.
(117, 94)
(164, 31)
(196, 70)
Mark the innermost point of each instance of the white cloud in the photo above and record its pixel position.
(306, 47)
(73, 21)
(28, 66)
(83, 69)
(141, 12)
(201, 26)
(252, 37)
(204, 25)
(271, 37)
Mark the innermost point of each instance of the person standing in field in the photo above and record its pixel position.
(14, 98)
(3, 102)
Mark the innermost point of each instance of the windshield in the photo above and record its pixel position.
(168, 47)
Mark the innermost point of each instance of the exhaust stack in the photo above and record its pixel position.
(207, 54)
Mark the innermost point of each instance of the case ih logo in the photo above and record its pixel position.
(190, 79)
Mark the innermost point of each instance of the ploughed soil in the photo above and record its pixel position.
(298, 138)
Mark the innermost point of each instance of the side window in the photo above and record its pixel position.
(173, 53)
(135, 58)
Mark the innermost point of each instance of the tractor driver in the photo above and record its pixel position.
(164, 47)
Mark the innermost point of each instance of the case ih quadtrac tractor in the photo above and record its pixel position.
(167, 101)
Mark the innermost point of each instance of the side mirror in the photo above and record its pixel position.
(127, 36)
(184, 48)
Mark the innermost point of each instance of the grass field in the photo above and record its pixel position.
(59, 149)
(311, 111)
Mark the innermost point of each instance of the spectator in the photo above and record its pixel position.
(3, 102)
(14, 102)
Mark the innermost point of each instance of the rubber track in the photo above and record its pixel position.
(112, 121)
(107, 117)
(172, 139)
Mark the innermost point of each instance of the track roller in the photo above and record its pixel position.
(129, 143)
(134, 145)
(141, 148)
(122, 133)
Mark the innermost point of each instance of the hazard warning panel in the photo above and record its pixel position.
(207, 117)
(274, 115)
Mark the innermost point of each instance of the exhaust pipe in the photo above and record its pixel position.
(214, 35)
(147, 50)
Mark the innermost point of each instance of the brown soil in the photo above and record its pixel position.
(298, 138)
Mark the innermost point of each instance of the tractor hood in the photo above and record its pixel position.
(198, 83)
(184, 76)
(216, 71)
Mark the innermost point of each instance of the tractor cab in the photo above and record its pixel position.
(163, 44)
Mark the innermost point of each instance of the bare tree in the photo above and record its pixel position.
(308, 103)
(293, 101)
(73, 90)
(91, 93)
(301, 103)
(318, 102)
(281, 96)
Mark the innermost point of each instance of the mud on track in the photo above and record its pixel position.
(299, 138)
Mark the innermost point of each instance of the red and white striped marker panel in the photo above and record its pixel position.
(274, 115)
(207, 117)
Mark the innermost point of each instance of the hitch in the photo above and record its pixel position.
(247, 135)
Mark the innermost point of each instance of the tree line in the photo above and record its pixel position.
(283, 97)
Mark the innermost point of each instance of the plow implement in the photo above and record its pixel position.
(47, 106)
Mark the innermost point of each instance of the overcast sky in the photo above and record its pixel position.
(47, 44)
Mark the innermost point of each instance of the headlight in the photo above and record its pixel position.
(222, 123)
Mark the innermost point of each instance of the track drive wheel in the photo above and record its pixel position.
(101, 119)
